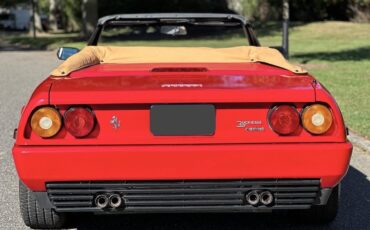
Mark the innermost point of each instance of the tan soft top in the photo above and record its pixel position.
(94, 55)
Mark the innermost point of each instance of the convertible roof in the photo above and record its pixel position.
(122, 17)
(94, 55)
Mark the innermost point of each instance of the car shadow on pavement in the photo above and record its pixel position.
(354, 214)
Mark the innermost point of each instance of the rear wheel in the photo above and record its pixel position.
(325, 213)
(33, 215)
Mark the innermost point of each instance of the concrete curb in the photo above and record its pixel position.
(359, 141)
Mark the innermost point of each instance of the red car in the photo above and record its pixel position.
(178, 129)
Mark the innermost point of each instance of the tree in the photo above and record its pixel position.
(71, 15)
(10, 3)
(89, 10)
(53, 9)
(236, 6)
(285, 14)
(36, 20)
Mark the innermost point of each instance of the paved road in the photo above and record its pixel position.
(20, 72)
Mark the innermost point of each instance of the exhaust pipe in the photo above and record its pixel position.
(253, 198)
(266, 198)
(115, 201)
(101, 201)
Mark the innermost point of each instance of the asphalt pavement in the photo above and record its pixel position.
(22, 71)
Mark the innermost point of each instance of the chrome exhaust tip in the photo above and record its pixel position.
(253, 198)
(101, 201)
(266, 198)
(115, 201)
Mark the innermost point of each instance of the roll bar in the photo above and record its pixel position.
(175, 18)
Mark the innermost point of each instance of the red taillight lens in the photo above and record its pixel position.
(79, 121)
(284, 119)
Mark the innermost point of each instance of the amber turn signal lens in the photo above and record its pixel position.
(46, 122)
(317, 119)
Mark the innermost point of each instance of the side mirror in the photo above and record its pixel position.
(64, 53)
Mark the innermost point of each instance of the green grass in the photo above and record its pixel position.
(337, 53)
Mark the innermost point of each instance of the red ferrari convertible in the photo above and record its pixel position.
(127, 128)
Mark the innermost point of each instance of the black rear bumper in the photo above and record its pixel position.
(184, 196)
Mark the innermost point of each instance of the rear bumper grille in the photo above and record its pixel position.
(184, 196)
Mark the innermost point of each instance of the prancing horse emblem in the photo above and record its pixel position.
(115, 122)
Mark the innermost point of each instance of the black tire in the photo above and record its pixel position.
(33, 215)
(325, 213)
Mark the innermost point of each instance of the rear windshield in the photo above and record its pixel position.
(174, 36)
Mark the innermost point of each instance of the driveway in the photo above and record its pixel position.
(20, 72)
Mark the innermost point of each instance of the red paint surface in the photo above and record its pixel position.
(119, 84)
(239, 92)
(37, 165)
(135, 122)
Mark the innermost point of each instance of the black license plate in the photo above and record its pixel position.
(183, 120)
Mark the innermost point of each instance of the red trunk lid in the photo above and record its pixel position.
(181, 83)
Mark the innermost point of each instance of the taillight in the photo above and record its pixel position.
(79, 121)
(317, 119)
(46, 122)
(284, 119)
